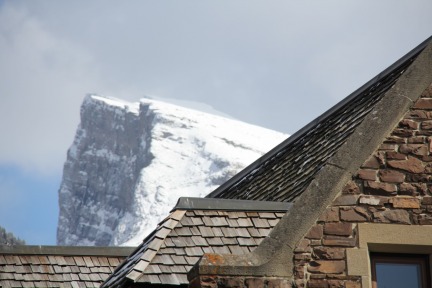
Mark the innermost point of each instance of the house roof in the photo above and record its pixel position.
(313, 163)
(194, 227)
(284, 173)
(58, 266)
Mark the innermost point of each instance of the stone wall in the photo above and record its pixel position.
(393, 186)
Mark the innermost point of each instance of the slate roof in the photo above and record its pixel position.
(197, 226)
(284, 173)
(57, 266)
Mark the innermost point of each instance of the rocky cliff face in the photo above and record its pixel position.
(130, 162)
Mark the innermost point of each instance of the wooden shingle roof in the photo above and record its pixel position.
(57, 266)
(286, 171)
(197, 226)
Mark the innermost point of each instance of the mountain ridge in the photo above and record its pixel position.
(131, 161)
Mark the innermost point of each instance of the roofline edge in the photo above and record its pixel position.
(195, 203)
(66, 250)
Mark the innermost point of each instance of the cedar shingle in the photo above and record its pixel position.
(177, 215)
(79, 261)
(155, 244)
(152, 269)
(267, 215)
(243, 232)
(206, 231)
(183, 277)
(187, 221)
(170, 223)
(244, 222)
(260, 223)
(217, 231)
(273, 222)
(163, 259)
(141, 265)
(246, 242)
(150, 278)
(197, 221)
(163, 232)
(216, 241)
(95, 261)
(199, 241)
(178, 242)
(180, 251)
(194, 251)
(254, 232)
(229, 232)
(60, 260)
(2, 260)
(42, 260)
(88, 261)
(178, 269)
(165, 269)
(195, 231)
(192, 260)
(207, 249)
(232, 222)
(179, 260)
(133, 275)
(103, 261)
(84, 270)
(148, 255)
(184, 231)
(221, 250)
(238, 250)
(252, 214)
(230, 241)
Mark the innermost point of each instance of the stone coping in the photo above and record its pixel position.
(192, 203)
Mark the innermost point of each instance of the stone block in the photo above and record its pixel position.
(351, 188)
(427, 200)
(303, 246)
(394, 140)
(330, 215)
(367, 174)
(427, 93)
(346, 200)
(328, 253)
(317, 283)
(417, 139)
(352, 215)
(409, 124)
(423, 103)
(330, 240)
(379, 188)
(416, 149)
(254, 282)
(391, 155)
(397, 216)
(412, 165)
(352, 284)
(327, 266)
(371, 200)
(316, 232)
(371, 162)
(392, 176)
(278, 283)
(426, 125)
(405, 202)
(230, 282)
(340, 229)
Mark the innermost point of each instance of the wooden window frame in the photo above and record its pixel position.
(421, 259)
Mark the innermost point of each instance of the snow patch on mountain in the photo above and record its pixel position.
(130, 162)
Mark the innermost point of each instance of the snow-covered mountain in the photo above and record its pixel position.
(130, 162)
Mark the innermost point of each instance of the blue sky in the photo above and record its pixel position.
(277, 64)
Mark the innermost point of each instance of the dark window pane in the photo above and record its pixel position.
(398, 275)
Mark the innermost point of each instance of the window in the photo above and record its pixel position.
(399, 270)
